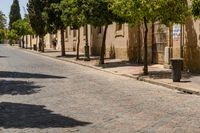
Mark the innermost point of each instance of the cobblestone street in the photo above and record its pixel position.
(44, 95)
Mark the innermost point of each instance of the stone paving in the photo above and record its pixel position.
(39, 94)
(157, 73)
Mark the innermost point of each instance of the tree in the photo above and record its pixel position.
(196, 8)
(12, 36)
(72, 15)
(23, 28)
(2, 20)
(149, 11)
(37, 20)
(14, 12)
(2, 26)
(98, 14)
(2, 35)
(53, 14)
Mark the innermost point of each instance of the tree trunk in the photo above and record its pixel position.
(103, 46)
(153, 44)
(37, 45)
(31, 42)
(22, 41)
(171, 39)
(62, 43)
(26, 41)
(36, 40)
(139, 45)
(41, 43)
(87, 52)
(78, 44)
(145, 69)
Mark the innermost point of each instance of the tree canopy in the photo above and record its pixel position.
(196, 8)
(2, 20)
(164, 11)
(145, 11)
(22, 27)
(14, 12)
(72, 13)
(37, 20)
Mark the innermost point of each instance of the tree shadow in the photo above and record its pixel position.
(18, 88)
(71, 55)
(117, 64)
(16, 115)
(3, 56)
(67, 56)
(52, 51)
(6, 74)
(191, 48)
(168, 75)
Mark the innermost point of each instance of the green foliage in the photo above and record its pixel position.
(165, 11)
(196, 8)
(173, 11)
(72, 13)
(2, 20)
(98, 13)
(37, 19)
(12, 36)
(22, 27)
(145, 11)
(52, 14)
(14, 12)
(2, 35)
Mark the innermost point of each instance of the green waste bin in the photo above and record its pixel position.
(177, 65)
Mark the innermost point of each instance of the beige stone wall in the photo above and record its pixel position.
(117, 41)
(35, 40)
(71, 39)
(48, 41)
(125, 43)
(192, 45)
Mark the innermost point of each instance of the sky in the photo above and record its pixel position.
(5, 6)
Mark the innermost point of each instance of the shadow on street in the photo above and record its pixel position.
(3, 56)
(15, 115)
(18, 87)
(117, 64)
(6, 74)
(167, 75)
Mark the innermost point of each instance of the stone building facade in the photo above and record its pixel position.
(126, 42)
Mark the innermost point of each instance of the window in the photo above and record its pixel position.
(118, 27)
(99, 30)
(119, 30)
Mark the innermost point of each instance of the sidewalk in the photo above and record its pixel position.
(157, 73)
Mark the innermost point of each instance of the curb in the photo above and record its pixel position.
(139, 78)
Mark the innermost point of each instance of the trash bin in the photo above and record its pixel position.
(34, 47)
(177, 65)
